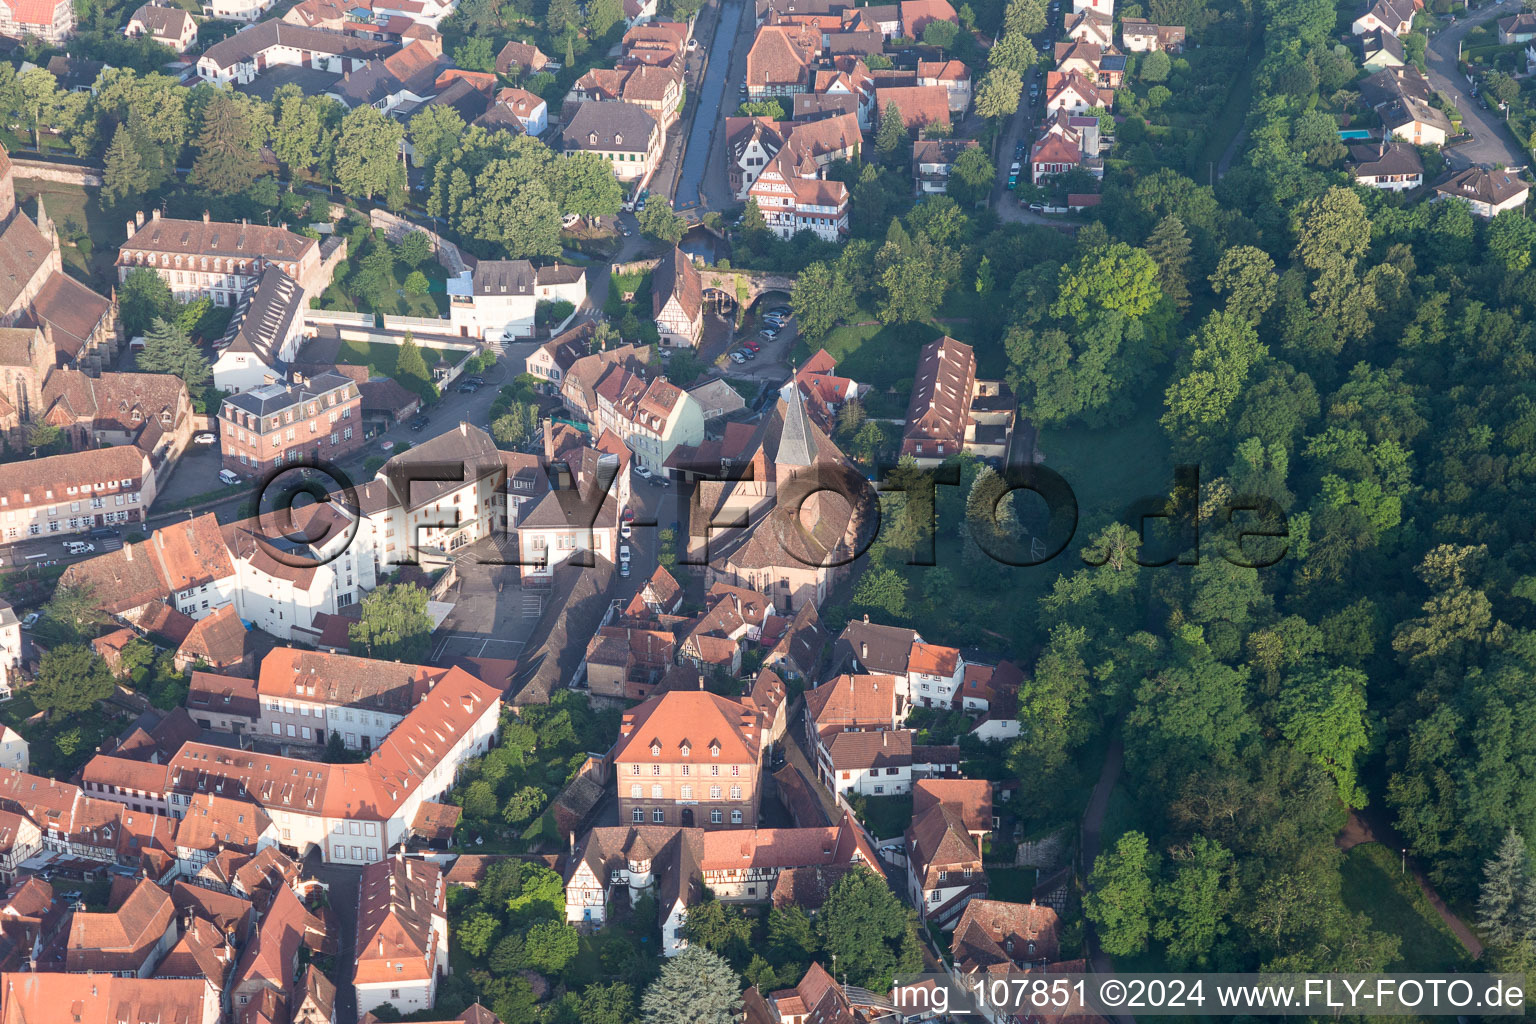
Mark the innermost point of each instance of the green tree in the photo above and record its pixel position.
(997, 94)
(1014, 52)
(1115, 278)
(1168, 245)
(821, 299)
(891, 135)
(368, 160)
(45, 439)
(695, 987)
(940, 33)
(393, 623)
(70, 680)
(1119, 900)
(76, 611)
(477, 933)
(771, 109)
(971, 177)
(411, 369)
(436, 131)
(168, 349)
(415, 249)
(142, 298)
(551, 945)
(475, 54)
(1503, 909)
(720, 928)
(124, 175)
(416, 283)
(1511, 238)
(234, 129)
(884, 590)
(1323, 714)
(1025, 17)
(753, 223)
(659, 222)
(587, 187)
(1155, 67)
(1193, 906)
(305, 129)
(1246, 276)
(872, 934)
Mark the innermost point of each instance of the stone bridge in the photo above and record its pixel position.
(742, 287)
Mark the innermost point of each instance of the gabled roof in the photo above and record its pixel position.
(972, 798)
(1484, 186)
(693, 721)
(937, 840)
(676, 277)
(611, 126)
(398, 899)
(853, 702)
(996, 935)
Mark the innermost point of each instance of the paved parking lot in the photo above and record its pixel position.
(492, 615)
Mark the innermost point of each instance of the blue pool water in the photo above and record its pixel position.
(1353, 134)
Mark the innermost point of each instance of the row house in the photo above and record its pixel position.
(211, 824)
(307, 697)
(920, 106)
(953, 75)
(655, 89)
(552, 360)
(217, 260)
(629, 662)
(73, 493)
(1101, 65)
(652, 417)
(916, 15)
(72, 823)
(20, 840)
(276, 424)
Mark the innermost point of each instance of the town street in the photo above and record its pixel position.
(1492, 143)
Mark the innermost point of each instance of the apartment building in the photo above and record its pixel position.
(624, 134)
(219, 260)
(75, 492)
(307, 697)
(689, 758)
(271, 425)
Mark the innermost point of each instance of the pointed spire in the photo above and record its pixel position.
(796, 443)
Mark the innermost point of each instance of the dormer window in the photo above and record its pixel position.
(655, 749)
(684, 748)
(714, 750)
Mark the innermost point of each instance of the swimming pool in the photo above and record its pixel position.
(1353, 134)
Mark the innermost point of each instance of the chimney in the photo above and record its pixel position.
(549, 439)
(206, 217)
(153, 215)
(866, 618)
(463, 428)
(138, 218)
(573, 844)
(128, 552)
(885, 739)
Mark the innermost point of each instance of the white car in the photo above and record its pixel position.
(624, 569)
(626, 531)
(693, 44)
(206, 437)
(737, 357)
(642, 473)
(30, 620)
(624, 554)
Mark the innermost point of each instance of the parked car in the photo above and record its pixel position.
(737, 357)
(693, 44)
(387, 446)
(474, 378)
(79, 547)
(420, 423)
(468, 389)
(642, 473)
(205, 437)
(626, 531)
(624, 569)
(781, 311)
(629, 515)
(1037, 207)
(624, 553)
(102, 532)
(768, 333)
(30, 620)
(751, 346)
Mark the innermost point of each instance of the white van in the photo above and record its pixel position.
(79, 547)
(228, 477)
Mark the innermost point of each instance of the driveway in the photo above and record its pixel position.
(1492, 142)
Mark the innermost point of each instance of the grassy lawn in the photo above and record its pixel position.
(380, 358)
(1013, 885)
(886, 816)
(1374, 885)
(392, 299)
(90, 235)
(876, 354)
(1111, 467)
